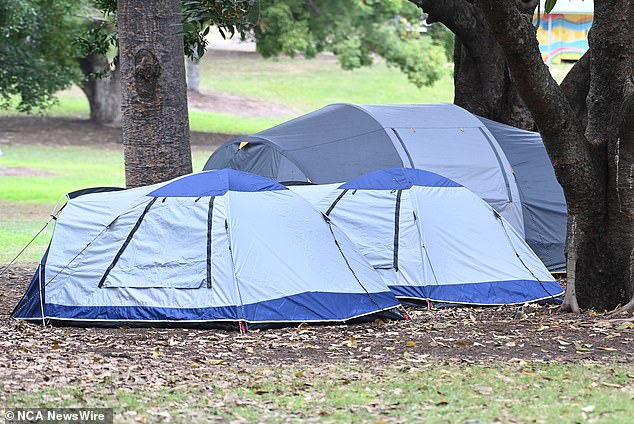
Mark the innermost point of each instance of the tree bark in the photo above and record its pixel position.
(155, 123)
(610, 105)
(576, 86)
(593, 162)
(103, 93)
(193, 75)
(481, 78)
(482, 81)
(585, 124)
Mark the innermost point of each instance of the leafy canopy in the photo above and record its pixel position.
(37, 51)
(355, 31)
(41, 41)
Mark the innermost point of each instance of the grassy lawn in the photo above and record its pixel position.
(560, 70)
(229, 124)
(306, 85)
(300, 85)
(429, 392)
(26, 201)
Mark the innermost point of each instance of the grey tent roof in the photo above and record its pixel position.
(340, 142)
(299, 148)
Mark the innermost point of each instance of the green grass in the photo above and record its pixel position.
(70, 168)
(26, 201)
(306, 85)
(72, 105)
(542, 393)
(15, 234)
(228, 124)
(298, 85)
(560, 70)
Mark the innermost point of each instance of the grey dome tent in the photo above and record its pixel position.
(505, 166)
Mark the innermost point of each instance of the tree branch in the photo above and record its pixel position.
(612, 44)
(457, 15)
(576, 86)
(563, 135)
(526, 6)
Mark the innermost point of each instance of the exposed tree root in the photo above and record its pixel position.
(620, 320)
(569, 304)
(628, 308)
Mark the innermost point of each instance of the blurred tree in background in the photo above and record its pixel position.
(47, 46)
(38, 54)
(355, 31)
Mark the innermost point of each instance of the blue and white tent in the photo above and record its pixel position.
(433, 239)
(215, 248)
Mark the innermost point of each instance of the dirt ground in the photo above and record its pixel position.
(236, 105)
(79, 132)
(33, 356)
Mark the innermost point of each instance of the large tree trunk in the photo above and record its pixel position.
(610, 107)
(593, 155)
(482, 82)
(103, 91)
(585, 124)
(154, 94)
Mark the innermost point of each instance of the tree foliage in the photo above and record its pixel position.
(199, 16)
(41, 42)
(355, 31)
(38, 55)
(98, 35)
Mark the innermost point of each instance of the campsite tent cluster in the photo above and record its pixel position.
(507, 167)
(226, 248)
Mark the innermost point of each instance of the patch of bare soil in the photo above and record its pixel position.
(32, 356)
(80, 132)
(7, 171)
(24, 210)
(236, 105)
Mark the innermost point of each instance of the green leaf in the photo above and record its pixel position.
(550, 4)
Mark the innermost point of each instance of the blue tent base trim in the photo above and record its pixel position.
(388, 314)
(481, 294)
(313, 307)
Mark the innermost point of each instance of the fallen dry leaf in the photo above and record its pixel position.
(352, 342)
